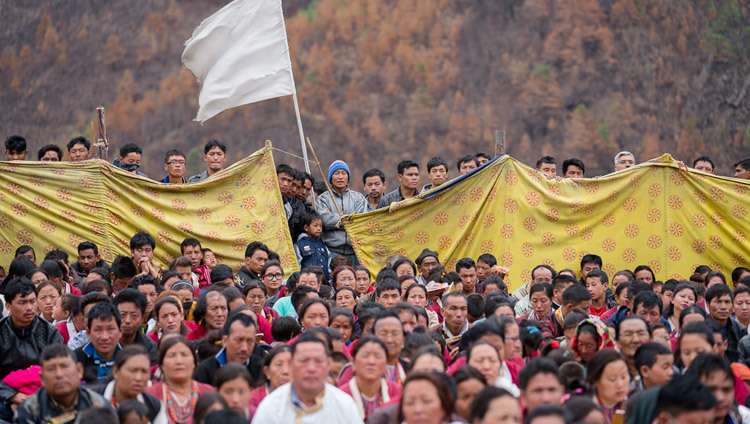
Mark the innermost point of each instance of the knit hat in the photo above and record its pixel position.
(426, 253)
(335, 166)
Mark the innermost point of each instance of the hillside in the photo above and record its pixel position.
(381, 81)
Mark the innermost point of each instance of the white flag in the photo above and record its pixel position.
(240, 55)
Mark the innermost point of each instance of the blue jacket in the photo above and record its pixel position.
(312, 251)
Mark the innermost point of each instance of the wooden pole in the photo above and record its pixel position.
(325, 179)
(499, 142)
(102, 142)
(93, 139)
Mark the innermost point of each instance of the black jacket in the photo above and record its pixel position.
(206, 370)
(150, 345)
(21, 347)
(734, 333)
(299, 210)
(77, 267)
(247, 276)
(744, 349)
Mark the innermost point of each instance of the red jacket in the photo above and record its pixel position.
(62, 327)
(200, 332)
(265, 327)
(435, 307)
(607, 315)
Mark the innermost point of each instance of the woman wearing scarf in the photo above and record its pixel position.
(592, 335)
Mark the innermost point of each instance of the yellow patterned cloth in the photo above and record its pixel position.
(654, 214)
(60, 204)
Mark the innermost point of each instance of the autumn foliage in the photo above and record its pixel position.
(381, 81)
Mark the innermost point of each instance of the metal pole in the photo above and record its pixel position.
(301, 133)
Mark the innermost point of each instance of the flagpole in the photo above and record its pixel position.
(301, 133)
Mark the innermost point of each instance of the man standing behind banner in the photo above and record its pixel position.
(348, 202)
(215, 155)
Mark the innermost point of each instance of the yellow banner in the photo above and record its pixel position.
(654, 214)
(60, 204)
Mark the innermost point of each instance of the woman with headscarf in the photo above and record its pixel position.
(592, 335)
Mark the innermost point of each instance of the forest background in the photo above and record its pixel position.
(380, 81)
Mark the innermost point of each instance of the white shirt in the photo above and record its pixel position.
(72, 332)
(505, 381)
(150, 325)
(338, 408)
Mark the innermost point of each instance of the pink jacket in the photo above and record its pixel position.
(25, 381)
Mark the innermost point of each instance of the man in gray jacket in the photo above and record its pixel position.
(408, 178)
(348, 202)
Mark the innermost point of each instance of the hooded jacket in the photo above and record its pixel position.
(349, 203)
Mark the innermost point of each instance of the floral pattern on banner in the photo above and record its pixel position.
(61, 204)
(654, 214)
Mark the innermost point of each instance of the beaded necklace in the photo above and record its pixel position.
(398, 374)
(166, 393)
(113, 401)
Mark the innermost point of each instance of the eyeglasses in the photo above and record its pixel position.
(515, 339)
(176, 162)
(274, 276)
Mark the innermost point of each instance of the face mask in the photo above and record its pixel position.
(130, 167)
(186, 306)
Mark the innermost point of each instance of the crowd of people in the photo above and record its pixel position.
(132, 341)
